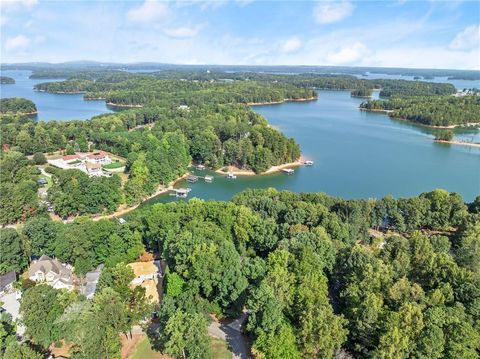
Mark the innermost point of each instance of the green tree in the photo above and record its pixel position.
(186, 336)
(40, 308)
(12, 255)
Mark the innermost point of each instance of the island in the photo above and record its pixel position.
(434, 111)
(5, 80)
(17, 106)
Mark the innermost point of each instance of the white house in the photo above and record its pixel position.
(99, 157)
(52, 272)
(94, 169)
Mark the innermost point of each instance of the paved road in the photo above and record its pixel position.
(232, 334)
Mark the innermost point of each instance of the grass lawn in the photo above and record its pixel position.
(144, 351)
(220, 349)
(113, 165)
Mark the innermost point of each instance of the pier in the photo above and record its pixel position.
(180, 192)
(288, 171)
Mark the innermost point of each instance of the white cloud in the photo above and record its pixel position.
(349, 55)
(291, 45)
(149, 11)
(7, 5)
(17, 43)
(329, 12)
(467, 39)
(183, 31)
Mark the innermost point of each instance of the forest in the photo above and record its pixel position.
(125, 88)
(215, 135)
(319, 276)
(6, 80)
(17, 105)
(433, 111)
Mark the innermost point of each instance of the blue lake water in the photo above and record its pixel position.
(357, 154)
(51, 106)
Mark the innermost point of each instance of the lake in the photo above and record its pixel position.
(51, 106)
(357, 154)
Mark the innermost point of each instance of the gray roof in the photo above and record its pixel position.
(46, 264)
(7, 279)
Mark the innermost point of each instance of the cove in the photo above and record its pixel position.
(357, 154)
(51, 106)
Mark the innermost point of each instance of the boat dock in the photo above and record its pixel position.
(180, 192)
(308, 163)
(288, 171)
(192, 178)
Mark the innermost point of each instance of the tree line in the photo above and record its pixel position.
(315, 280)
(6, 80)
(432, 111)
(17, 105)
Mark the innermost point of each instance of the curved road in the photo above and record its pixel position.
(232, 334)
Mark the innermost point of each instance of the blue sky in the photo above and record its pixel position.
(430, 34)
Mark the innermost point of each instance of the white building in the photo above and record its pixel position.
(99, 157)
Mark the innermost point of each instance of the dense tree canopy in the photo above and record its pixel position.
(6, 80)
(434, 111)
(319, 276)
(17, 105)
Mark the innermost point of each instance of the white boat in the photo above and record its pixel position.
(209, 179)
(231, 175)
(288, 171)
(308, 163)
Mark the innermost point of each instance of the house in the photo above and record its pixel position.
(69, 159)
(99, 157)
(52, 272)
(148, 275)
(94, 169)
(91, 280)
(6, 281)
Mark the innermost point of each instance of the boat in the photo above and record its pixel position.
(231, 175)
(308, 163)
(209, 179)
(288, 171)
(200, 167)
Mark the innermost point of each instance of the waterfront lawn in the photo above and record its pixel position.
(114, 165)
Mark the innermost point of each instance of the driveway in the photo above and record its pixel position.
(232, 334)
(12, 305)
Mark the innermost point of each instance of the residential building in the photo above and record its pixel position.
(99, 157)
(94, 169)
(52, 272)
(91, 280)
(6, 281)
(148, 275)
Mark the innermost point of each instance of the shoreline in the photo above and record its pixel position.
(274, 169)
(20, 113)
(61, 92)
(463, 125)
(460, 143)
(125, 106)
(93, 98)
(122, 210)
(282, 101)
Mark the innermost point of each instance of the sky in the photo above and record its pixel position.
(421, 34)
